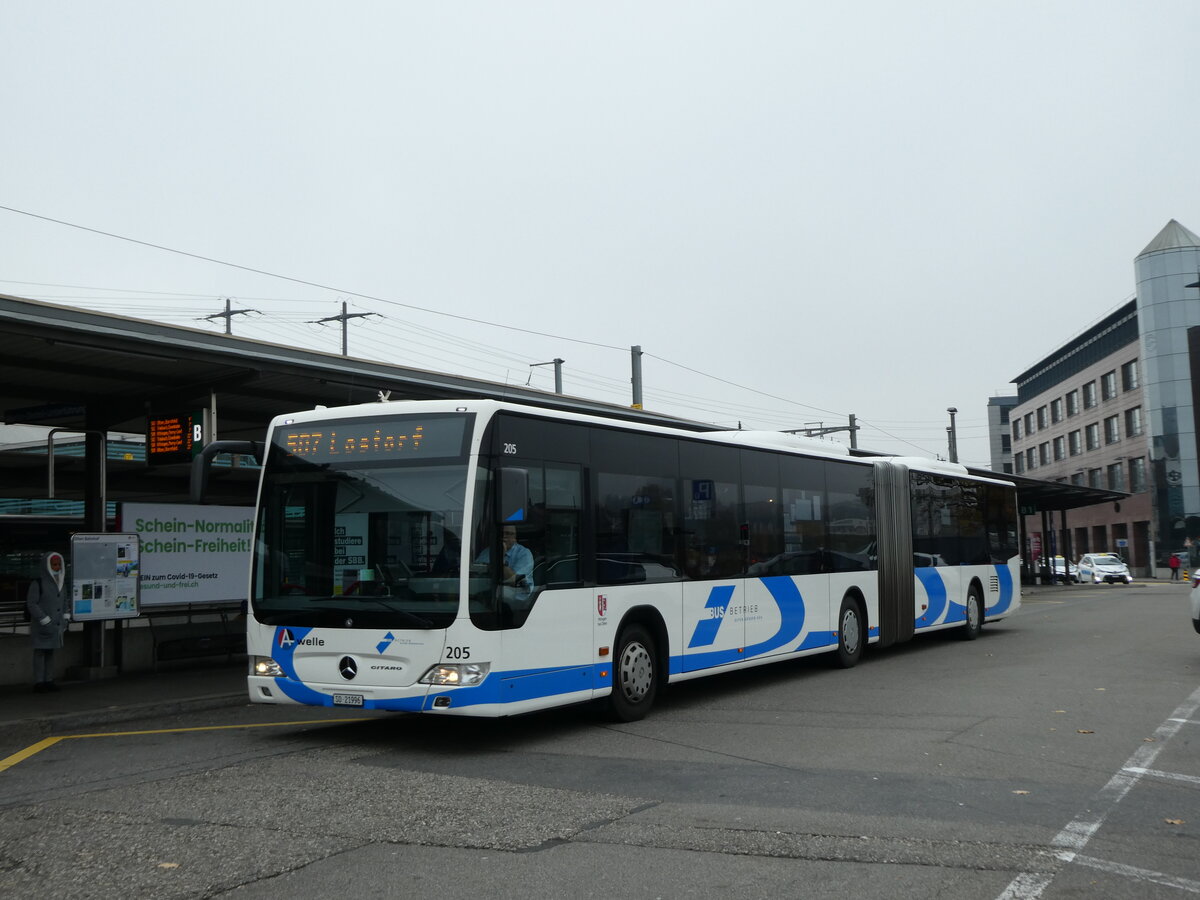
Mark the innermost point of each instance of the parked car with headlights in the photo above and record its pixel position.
(1103, 567)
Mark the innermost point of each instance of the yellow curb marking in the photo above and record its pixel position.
(28, 752)
(41, 745)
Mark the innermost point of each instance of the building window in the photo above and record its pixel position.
(1129, 376)
(1044, 453)
(1030, 459)
(1016, 429)
(1096, 478)
(1112, 429)
(1093, 436)
(1077, 478)
(1137, 474)
(1089, 395)
(1060, 448)
(1004, 411)
(1028, 424)
(1075, 441)
(1041, 417)
(1116, 477)
(1108, 385)
(1018, 463)
(1056, 413)
(1005, 443)
(1133, 421)
(1073, 403)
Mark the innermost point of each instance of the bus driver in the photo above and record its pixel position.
(518, 566)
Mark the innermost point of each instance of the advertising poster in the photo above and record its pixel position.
(350, 552)
(104, 576)
(191, 554)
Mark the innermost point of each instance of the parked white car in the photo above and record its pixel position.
(1065, 571)
(1098, 567)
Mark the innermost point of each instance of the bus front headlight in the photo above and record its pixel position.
(456, 674)
(264, 665)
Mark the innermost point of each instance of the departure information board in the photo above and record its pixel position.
(174, 438)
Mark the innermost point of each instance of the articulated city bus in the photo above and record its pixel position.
(482, 558)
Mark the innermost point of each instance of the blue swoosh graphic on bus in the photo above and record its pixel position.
(957, 613)
(791, 614)
(791, 623)
(283, 647)
(302, 693)
(283, 651)
(1004, 575)
(935, 590)
(706, 629)
(520, 684)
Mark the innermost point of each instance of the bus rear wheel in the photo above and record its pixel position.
(852, 634)
(974, 623)
(635, 675)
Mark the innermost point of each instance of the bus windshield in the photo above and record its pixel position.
(360, 524)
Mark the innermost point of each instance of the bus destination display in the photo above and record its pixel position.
(349, 441)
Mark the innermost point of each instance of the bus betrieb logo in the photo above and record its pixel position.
(601, 605)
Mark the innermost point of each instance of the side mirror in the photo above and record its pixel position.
(514, 495)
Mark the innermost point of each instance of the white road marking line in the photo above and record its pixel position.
(1169, 776)
(1075, 836)
(1183, 884)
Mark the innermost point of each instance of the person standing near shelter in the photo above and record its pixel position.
(47, 606)
(1173, 563)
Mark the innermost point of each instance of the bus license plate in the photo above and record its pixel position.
(347, 699)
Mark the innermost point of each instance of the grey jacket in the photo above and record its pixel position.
(45, 598)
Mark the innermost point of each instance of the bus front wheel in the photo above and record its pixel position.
(635, 675)
(852, 634)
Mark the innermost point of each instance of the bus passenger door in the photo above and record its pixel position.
(548, 641)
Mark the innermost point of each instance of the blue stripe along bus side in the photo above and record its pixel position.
(527, 684)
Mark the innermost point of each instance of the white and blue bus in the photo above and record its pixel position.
(485, 558)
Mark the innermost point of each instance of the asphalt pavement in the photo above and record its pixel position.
(205, 685)
(87, 705)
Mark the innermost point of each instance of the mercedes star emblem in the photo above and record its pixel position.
(348, 668)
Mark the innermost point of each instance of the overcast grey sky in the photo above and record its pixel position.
(798, 210)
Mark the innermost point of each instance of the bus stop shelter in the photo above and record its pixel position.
(1045, 498)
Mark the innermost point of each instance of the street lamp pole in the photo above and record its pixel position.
(953, 435)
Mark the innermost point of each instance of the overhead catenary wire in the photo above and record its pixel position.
(603, 383)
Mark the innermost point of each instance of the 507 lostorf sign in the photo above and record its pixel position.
(191, 554)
